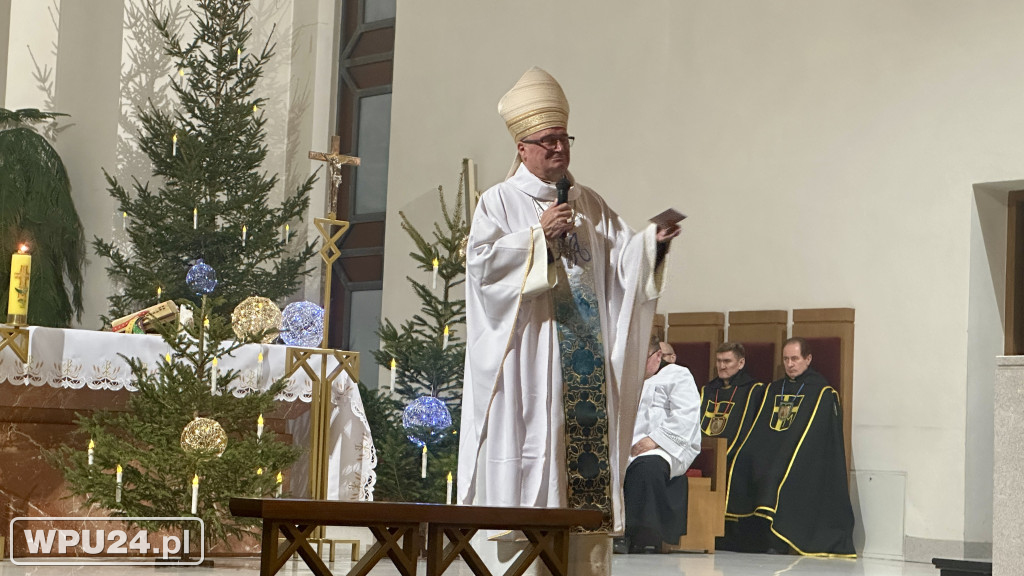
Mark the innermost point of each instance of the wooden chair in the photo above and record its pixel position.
(695, 336)
(829, 335)
(762, 333)
(705, 507)
(658, 328)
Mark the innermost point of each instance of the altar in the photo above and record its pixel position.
(71, 372)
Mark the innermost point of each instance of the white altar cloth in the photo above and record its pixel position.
(78, 359)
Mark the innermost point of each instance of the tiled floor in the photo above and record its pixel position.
(721, 564)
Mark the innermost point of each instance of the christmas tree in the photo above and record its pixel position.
(427, 371)
(210, 195)
(36, 210)
(183, 423)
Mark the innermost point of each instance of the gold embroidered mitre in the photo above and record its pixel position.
(535, 103)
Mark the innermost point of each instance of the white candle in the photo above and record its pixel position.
(445, 343)
(259, 427)
(448, 490)
(124, 220)
(423, 464)
(159, 292)
(434, 278)
(238, 61)
(280, 484)
(245, 232)
(213, 377)
(287, 232)
(195, 493)
(195, 218)
(174, 141)
(259, 367)
(117, 494)
(181, 77)
(91, 446)
(394, 372)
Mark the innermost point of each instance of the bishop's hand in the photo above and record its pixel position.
(666, 234)
(556, 221)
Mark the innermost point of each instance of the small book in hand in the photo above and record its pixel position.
(668, 218)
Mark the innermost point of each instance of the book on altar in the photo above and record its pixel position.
(143, 321)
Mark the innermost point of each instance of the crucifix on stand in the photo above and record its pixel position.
(313, 361)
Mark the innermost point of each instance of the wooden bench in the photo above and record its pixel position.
(396, 528)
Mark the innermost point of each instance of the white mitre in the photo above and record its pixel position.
(535, 103)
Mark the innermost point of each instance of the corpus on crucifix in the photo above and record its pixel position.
(335, 160)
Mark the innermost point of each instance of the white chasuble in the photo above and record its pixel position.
(513, 449)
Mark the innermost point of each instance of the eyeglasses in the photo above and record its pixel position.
(551, 141)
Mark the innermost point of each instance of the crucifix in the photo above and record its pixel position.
(335, 160)
(22, 277)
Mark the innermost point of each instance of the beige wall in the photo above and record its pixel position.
(825, 152)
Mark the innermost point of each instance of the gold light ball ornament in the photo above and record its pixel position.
(256, 315)
(204, 438)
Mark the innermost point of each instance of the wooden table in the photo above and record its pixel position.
(396, 528)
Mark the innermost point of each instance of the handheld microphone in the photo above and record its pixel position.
(563, 190)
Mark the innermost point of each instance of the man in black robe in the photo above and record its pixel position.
(788, 488)
(726, 401)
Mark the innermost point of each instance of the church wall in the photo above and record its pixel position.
(825, 152)
(77, 58)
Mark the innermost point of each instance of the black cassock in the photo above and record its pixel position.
(728, 412)
(788, 478)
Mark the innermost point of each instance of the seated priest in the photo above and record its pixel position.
(666, 439)
(726, 401)
(788, 490)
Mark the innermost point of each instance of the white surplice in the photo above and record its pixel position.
(669, 414)
(512, 446)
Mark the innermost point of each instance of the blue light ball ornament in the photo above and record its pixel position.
(425, 420)
(302, 324)
(201, 278)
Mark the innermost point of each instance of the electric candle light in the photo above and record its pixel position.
(91, 446)
(213, 377)
(445, 343)
(167, 357)
(159, 292)
(117, 494)
(434, 280)
(259, 367)
(245, 232)
(238, 61)
(280, 484)
(259, 426)
(181, 77)
(195, 218)
(195, 493)
(21, 276)
(174, 142)
(259, 471)
(394, 365)
(448, 490)
(423, 463)
(124, 220)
